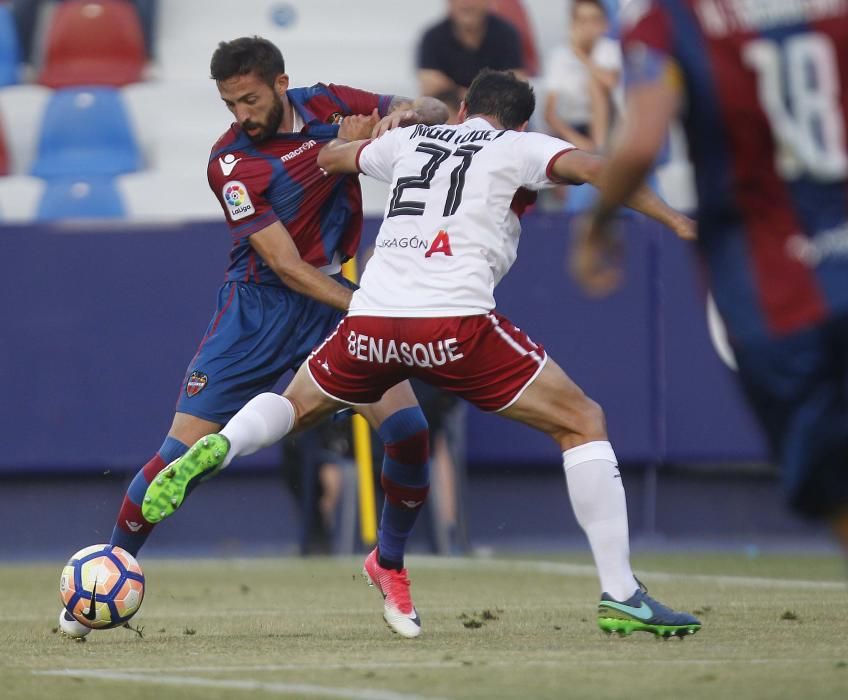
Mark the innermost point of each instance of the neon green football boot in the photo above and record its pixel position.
(169, 488)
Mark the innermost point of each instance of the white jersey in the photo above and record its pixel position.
(451, 228)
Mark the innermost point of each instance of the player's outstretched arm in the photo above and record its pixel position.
(651, 105)
(277, 249)
(340, 156)
(650, 109)
(578, 167)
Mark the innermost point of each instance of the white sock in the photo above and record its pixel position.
(597, 497)
(263, 420)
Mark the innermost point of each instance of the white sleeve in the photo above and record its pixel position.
(607, 54)
(536, 153)
(556, 70)
(377, 157)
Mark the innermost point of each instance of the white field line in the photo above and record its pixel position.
(586, 570)
(389, 665)
(536, 566)
(298, 689)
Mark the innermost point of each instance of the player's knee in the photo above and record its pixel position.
(585, 423)
(406, 436)
(593, 424)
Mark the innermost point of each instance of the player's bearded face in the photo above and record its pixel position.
(258, 129)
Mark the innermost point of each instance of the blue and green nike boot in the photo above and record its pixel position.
(641, 613)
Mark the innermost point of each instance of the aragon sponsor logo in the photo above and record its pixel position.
(237, 200)
(402, 242)
(298, 151)
(439, 244)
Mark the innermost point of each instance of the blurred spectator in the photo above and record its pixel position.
(513, 12)
(470, 38)
(581, 79)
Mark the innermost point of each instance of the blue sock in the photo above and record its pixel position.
(405, 480)
(131, 529)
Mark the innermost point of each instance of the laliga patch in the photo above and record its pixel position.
(196, 383)
(237, 200)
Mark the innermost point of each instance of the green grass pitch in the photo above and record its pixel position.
(774, 627)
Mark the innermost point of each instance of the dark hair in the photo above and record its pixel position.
(249, 54)
(597, 3)
(501, 95)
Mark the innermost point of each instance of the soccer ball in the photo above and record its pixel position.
(102, 586)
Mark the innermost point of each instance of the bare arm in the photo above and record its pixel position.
(578, 167)
(340, 156)
(599, 114)
(607, 77)
(596, 258)
(277, 249)
(650, 109)
(432, 82)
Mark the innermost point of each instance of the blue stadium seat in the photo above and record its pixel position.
(89, 198)
(86, 131)
(10, 48)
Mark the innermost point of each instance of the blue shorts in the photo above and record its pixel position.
(797, 386)
(258, 333)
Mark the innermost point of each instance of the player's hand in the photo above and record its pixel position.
(400, 117)
(358, 126)
(685, 228)
(596, 258)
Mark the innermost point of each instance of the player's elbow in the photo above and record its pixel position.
(285, 267)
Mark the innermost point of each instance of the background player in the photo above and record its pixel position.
(292, 227)
(765, 88)
(426, 309)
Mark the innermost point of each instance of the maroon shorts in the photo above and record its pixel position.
(484, 359)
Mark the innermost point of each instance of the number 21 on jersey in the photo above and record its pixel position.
(438, 155)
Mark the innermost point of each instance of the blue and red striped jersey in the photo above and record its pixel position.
(765, 90)
(258, 184)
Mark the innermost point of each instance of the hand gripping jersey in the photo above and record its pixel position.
(766, 96)
(278, 179)
(451, 225)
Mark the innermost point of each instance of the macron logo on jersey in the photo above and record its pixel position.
(228, 163)
(298, 151)
(237, 200)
